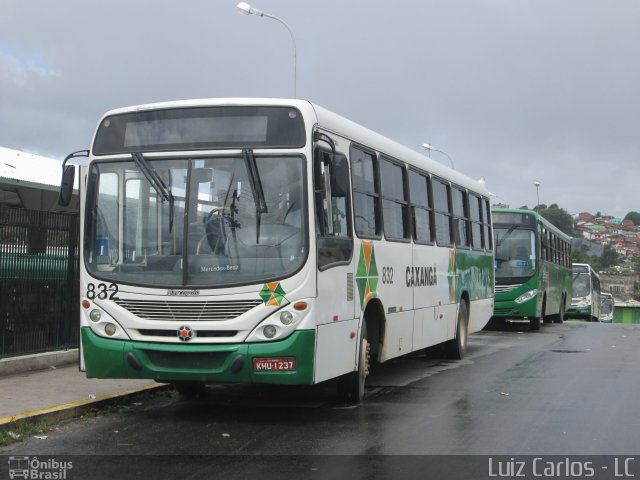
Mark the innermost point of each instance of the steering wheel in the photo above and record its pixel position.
(216, 226)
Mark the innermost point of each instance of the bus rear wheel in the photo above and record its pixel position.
(351, 385)
(457, 347)
(559, 318)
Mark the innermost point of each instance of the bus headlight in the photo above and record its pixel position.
(286, 317)
(269, 331)
(110, 329)
(280, 324)
(525, 297)
(103, 324)
(583, 302)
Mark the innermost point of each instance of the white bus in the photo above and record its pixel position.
(607, 307)
(266, 240)
(585, 303)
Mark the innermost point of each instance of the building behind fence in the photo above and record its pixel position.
(39, 292)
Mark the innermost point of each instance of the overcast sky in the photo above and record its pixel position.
(514, 91)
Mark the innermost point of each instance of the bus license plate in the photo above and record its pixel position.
(274, 364)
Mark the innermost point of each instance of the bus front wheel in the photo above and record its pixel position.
(189, 389)
(351, 385)
(534, 323)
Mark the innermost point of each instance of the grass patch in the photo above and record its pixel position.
(21, 431)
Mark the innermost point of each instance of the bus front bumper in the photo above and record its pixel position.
(244, 362)
(510, 309)
(579, 312)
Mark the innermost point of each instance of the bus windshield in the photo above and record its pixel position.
(581, 285)
(221, 221)
(606, 305)
(515, 252)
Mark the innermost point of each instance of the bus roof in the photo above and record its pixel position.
(539, 218)
(584, 268)
(362, 135)
(334, 123)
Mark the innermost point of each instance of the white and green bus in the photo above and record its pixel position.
(585, 303)
(271, 241)
(607, 307)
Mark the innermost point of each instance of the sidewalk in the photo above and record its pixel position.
(59, 392)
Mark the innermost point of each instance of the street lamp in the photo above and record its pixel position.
(537, 185)
(428, 147)
(249, 10)
(504, 202)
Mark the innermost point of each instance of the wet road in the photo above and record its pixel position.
(568, 389)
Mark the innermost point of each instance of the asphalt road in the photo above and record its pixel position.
(569, 390)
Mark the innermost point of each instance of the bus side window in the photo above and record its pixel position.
(460, 216)
(443, 211)
(421, 207)
(366, 193)
(488, 235)
(476, 221)
(333, 224)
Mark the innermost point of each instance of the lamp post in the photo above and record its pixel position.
(428, 147)
(537, 185)
(249, 10)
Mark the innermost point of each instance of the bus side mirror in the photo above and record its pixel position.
(340, 177)
(66, 186)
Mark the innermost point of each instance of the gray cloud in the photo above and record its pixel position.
(515, 91)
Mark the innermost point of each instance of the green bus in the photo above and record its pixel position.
(532, 268)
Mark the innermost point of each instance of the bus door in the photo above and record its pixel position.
(335, 305)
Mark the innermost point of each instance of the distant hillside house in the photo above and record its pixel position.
(31, 181)
(585, 217)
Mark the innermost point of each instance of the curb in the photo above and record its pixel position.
(37, 361)
(76, 408)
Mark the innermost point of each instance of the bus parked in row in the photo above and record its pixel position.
(271, 241)
(585, 304)
(607, 307)
(532, 268)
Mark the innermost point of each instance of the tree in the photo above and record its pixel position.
(559, 217)
(580, 255)
(609, 257)
(633, 216)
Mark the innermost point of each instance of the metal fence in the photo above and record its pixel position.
(39, 292)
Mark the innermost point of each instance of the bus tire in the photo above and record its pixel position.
(534, 323)
(560, 317)
(189, 389)
(456, 348)
(351, 385)
(543, 317)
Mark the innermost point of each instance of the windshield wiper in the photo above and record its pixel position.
(504, 237)
(156, 182)
(256, 188)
